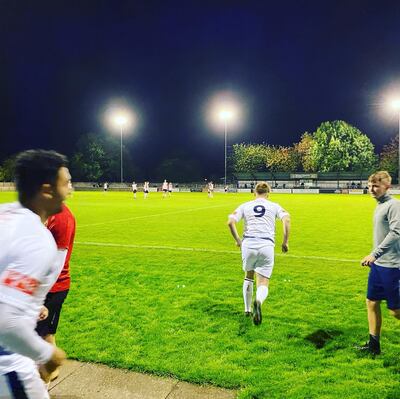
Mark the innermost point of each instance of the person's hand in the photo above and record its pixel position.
(239, 243)
(57, 358)
(368, 260)
(285, 247)
(44, 313)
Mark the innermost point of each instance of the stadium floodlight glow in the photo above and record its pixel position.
(225, 107)
(395, 104)
(122, 119)
(226, 115)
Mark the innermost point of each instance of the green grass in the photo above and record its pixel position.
(180, 312)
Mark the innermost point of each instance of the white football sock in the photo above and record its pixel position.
(262, 293)
(247, 294)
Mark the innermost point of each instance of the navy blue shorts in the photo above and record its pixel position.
(384, 284)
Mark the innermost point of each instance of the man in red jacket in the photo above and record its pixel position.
(62, 227)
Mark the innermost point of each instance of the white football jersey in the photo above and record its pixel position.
(28, 268)
(259, 218)
(165, 186)
(134, 186)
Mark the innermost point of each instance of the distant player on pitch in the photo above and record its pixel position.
(169, 189)
(258, 244)
(210, 189)
(165, 188)
(134, 189)
(384, 260)
(146, 186)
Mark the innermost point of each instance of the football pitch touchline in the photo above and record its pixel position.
(219, 251)
(149, 216)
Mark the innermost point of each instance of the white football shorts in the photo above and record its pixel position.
(22, 385)
(258, 255)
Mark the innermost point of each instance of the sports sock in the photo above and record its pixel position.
(262, 293)
(247, 294)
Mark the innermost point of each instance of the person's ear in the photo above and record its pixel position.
(47, 191)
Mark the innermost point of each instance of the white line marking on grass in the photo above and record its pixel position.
(219, 251)
(149, 216)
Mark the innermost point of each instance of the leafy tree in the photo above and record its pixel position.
(7, 169)
(338, 146)
(86, 163)
(303, 151)
(389, 157)
(98, 158)
(281, 159)
(249, 158)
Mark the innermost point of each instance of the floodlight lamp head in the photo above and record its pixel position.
(120, 120)
(225, 115)
(395, 104)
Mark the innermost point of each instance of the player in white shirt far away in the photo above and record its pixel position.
(165, 188)
(257, 244)
(29, 267)
(210, 189)
(146, 189)
(134, 189)
(170, 187)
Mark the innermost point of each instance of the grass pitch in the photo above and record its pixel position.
(157, 287)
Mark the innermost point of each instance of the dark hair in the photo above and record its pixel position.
(34, 168)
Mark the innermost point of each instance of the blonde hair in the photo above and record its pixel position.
(263, 188)
(380, 177)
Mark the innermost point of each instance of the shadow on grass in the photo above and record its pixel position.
(245, 324)
(321, 337)
(392, 364)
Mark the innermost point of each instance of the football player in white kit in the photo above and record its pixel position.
(210, 189)
(134, 189)
(29, 266)
(170, 187)
(165, 188)
(146, 189)
(258, 244)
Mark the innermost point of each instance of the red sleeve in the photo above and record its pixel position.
(62, 227)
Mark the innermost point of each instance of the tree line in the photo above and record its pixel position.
(97, 158)
(335, 146)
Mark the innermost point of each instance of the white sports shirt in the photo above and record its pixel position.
(28, 269)
(134, 186)
(165, 186)
(259, 218)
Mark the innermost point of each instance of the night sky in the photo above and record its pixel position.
(294, 64)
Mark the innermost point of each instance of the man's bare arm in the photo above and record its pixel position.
(233, 230)
(286, 232)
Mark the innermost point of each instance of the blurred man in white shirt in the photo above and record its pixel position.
(28, 269)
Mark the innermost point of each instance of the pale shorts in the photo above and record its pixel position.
(258, 255)
(23, 385)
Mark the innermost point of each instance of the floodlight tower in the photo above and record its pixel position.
(120, 119)
(225, 115)
(395, 104)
